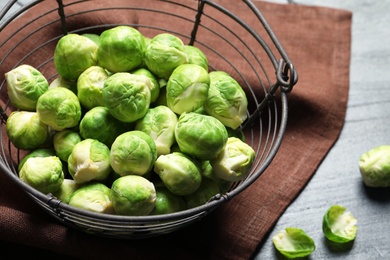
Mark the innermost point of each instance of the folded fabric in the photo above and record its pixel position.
(317, 40)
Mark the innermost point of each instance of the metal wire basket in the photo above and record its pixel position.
(245, 47)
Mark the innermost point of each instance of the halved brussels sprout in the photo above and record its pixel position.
(167, 202)
(339, 225)
(43, 173)
(179, 173)
(196, 56)
(73, 54)
(374, 166)
(234, 162)
(155, 90)
(127, 96)
(187, 88)
(133, 195)
(121, 49)
(59, 108)
(159, 122)
(99, 124)
(90, 86)
(293, 242)
(26, 130)
(40, 152)
(94, 196)
(66, 190)
(25, 85)
(89, 161)
(201, 136)
(64, 141)
(164, 53)
(226, 100)
(133, 153)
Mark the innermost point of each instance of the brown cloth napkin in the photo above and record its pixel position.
(317, 40)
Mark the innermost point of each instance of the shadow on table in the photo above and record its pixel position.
(381, 195)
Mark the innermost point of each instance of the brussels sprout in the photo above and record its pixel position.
(64, 83)
(99, 124)
(90, 86)
(187, 88)
(374, 166)
(121, 49)
(133, 152)
(201, 136)
(66, 190)
(226, 100)
(196, 56)
(43, 173)
(127, 96)
(155, 90)
(179, 173)
(203, 194)
(40, 152)
(59, 108)
(235, 161)
(63, 143)
(92, 36)
(164, 53)
(93, 197)
(207, 171)
(339, 225)
(26, 130)
(167, 202)
(25, 85)
(133, 195)
(159, 123)
(293, 242)
(74, 54)
(89, 160)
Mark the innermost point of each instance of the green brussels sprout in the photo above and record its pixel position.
(40, 152)
(63, 143)
(339, 225)
(187, 88)
(167, 202)
(64, 83)
(293, 242)
(89, 161)
(94, 196)
(155, 90)
(59, 108)
(73, 54)
(92, 36)
(234, 162)
(99, 124)
(66, 190)
(25, 85)
(208, 188)
(133, 153)
(133, 195)
(90, 86)
(26, 130)
(201, 136)
(121, 49)
(226, 100)
(207, 171)
(43, 173)
(159, 122)
(127, 96)
(196, 56)
(164, 53)
(374, 166)
(179, 173)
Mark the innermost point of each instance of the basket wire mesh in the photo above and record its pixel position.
(260, 65)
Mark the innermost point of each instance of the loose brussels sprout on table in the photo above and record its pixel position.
(374, 166)
(25, 85)
(293, 242)
(26, 130)
(339, 225)
(73, 54)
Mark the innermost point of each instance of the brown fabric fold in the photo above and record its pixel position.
(317, 40)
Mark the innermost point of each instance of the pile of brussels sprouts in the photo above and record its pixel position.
(132, 125)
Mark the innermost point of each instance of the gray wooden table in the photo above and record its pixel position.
(367, 125)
